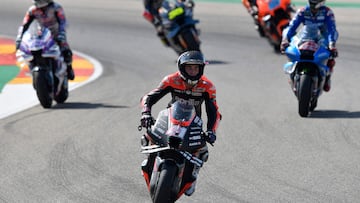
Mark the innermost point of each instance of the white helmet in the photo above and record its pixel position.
(41, 3)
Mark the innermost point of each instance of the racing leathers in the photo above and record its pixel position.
(323, 20)
(52, 17)
(204, 90)
(151, 12)
(252, 8)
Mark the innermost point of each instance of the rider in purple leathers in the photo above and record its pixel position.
(51, 15)
(315, 13)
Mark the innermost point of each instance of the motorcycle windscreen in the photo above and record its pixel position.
(182, 113)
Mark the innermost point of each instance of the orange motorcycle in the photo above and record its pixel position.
(271, 17)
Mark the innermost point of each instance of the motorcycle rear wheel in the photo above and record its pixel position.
(63, 94)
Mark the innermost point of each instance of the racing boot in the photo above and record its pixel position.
(191, 190)
(203, 155)
(147, 166)
(259, 29)
(163, 39)
(160, 33)
(327, 85)
(70, 72)
(67, 54)
(254, 13)
(292, 84)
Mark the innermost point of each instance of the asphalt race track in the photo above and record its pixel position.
(87, 150)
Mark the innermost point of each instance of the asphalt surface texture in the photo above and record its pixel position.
(88, 149)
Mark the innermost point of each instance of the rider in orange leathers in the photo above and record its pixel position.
(191, 85)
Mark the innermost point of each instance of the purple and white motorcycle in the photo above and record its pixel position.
(42, 54)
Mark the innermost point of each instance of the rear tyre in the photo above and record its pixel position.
(63, 94)
(304, 95)
(43, 89)
(189, 40)
(163, 191)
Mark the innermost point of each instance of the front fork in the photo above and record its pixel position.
(49, 78)
(157, 169)
(295, 83)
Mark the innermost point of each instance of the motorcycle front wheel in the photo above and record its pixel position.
(189, 39)
(304, 94)
(43, 89)
(163, 191)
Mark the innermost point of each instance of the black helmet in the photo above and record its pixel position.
(315, 4)
(41, 3)
(191, 57)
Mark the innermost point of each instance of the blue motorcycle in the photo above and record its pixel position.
(307, 69)
(179, 25)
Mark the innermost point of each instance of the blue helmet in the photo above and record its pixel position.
(316, 4)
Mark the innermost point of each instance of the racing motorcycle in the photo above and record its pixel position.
(308, 70)
(271, 17)
(173, 146)
(39, 51)
(179, 26)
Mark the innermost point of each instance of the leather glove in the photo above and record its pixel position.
(146, 119)
(210, 137)
(148, 16)
(284, 44)
(17, 44)
(333, 50)
(61, 38)
(67, 54)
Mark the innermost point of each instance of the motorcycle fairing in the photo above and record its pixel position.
(171, 13)
(295, 56)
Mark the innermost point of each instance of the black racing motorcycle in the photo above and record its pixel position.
(173, 145)
(179, 26)
(41, 53)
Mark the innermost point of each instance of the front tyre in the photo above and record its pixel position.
(163, 190)
(43, 89)
(304, 95)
